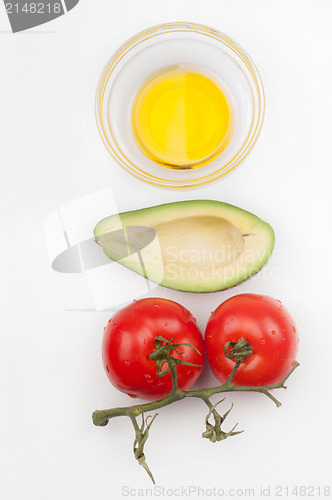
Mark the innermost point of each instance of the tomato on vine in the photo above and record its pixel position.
(268, 327)
(130, 338)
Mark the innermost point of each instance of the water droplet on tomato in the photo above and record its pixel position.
(294, 329)
(279, 301)
(273, 332)
(148, 378)
(156, 306)
(126, 362)
(263, 341)
(166, 324)
(194, 320)
(107, 369)
(110, 320)
(132, 395)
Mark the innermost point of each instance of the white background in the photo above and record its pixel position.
(51, 154)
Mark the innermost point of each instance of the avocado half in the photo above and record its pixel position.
(192, 246)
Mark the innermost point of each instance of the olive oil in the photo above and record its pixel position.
(181, 118)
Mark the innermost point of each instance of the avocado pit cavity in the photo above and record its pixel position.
(203, 241)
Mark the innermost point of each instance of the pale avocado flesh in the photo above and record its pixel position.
(199, 245)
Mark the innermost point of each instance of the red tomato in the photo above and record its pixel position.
(129, 338)
(269, 328)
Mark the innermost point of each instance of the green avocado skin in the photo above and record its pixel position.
(214, 245)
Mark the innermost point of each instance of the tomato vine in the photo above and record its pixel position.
(213, 431)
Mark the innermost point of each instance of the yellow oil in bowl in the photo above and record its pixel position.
(181, 118)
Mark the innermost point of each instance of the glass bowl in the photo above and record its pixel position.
(154, 50)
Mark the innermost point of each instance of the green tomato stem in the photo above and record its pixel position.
(101, 417)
